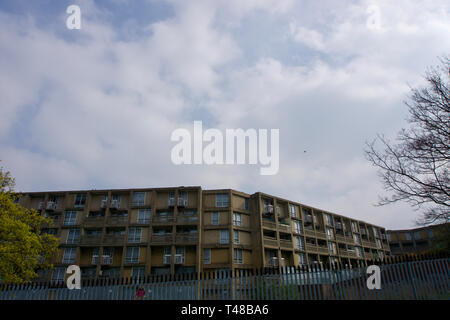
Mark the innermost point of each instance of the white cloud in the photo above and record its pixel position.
(92, 111)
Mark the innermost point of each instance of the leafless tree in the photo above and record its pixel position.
(416, 168)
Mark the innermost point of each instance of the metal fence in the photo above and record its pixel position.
(417, 279)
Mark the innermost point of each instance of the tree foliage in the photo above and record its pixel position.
(23, 250)
(416, 168)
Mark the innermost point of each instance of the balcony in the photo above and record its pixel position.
(186, 238)
(308, 218)
(338, 225)
(311, 248)
(167, 258)
(90, 239)
(274, 262)
(323, 250)
(286, 244)
(114, 205)
(369, 244)
(321, 235)
(285, 226)
(268, 209)
(107, 260)
(269, 224)
(118, 220)
(309, 232)
(270, 242)
(182, 202)
(187, 219)
(94, 221)
(51, 206)
(340, 238)
(162, 238)
(111, 239)
(179, 259)
(163, 219)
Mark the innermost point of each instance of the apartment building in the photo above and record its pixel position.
(136, 232)
(413, 241)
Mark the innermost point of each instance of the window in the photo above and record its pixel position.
(246, 205)
(237, 219)
(430, 233)
(300, 243)
(408, 236)
(138, 198)
(354, 227)
(416, 235)
(206, 256)
(138, 272)
(70, 218)
(378, 243)
(73, 236)
(236, 236)
(238, 256)
(183, 195)
(222, 200)
(359, 252)
(134, 235)
(115, 200)
(331, 248)
(292, 211)
(224, 236)
(143, 216)
(132, 255)
(58, 274)
(298, 227)
(329, 219)
(301, 258)
(388, 235)
(357, 239)
(330, 234)
(80, 200)
(69, 255)
(215, 218)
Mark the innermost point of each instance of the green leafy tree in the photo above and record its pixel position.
(23, 250)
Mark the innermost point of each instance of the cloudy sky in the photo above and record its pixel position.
(95, 108)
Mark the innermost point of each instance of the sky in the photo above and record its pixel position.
(95, 108)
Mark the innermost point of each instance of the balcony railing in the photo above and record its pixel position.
(369, 244)
(269, 224)
(163, 219)
(182, 202)
(284, 227)
(179, 259)
(117, 220)
(268, 209)
(114, 205)
(114, 239)
(167, 258)
(187, 219)
(131, 260)
(107, 260)
(311, 248)
(90, 239)
(189, 237)
(286, 243)
(274, 262)
(94, 221)
(324, 250)
(51, 205)
(270, 242)
(162, 238)
(143, 221)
